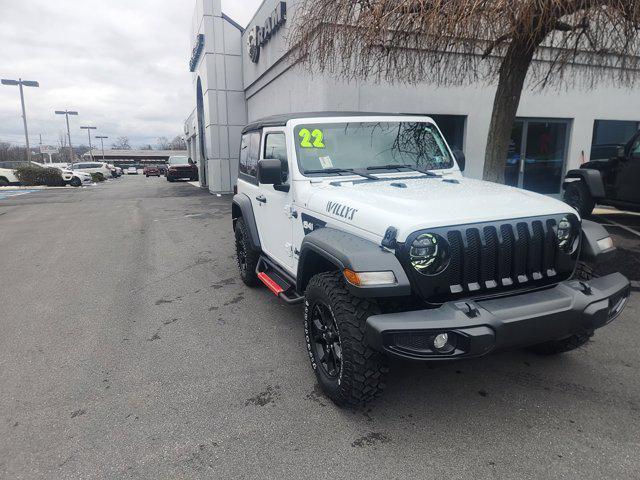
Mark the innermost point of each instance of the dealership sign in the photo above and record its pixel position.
(197, 51)
(260, 35)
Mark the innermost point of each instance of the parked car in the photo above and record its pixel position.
(7, 174)
(368, 222)
(614, 182)
(151, 171)
(74, 178)
(181, 166)
(115, 171)
(132, 171)
(92, 167)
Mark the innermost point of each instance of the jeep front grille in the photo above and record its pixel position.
(492, 257)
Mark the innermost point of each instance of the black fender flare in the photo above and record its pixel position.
(328, 246)
(592, 179)
(241, 207)
(591, 251)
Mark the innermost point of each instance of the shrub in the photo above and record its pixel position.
(31, 175)
(97, 177)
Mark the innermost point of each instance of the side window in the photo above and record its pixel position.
(635, 148)
(249, 155)
(276, 147)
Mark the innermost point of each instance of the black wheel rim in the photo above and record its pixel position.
(325, 340)
(241, 253)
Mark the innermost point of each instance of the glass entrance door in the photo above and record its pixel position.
(537, 155)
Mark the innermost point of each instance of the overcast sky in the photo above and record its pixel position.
(123, 64)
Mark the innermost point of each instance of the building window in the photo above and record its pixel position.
(452, 127)
(608, 135)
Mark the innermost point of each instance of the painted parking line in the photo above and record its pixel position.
(624, 227)
(4, 194)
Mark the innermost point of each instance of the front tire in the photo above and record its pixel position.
(584, 272)
(246, 257)
(577, 195)
(75, 182)
(556, 347)
(349, 372)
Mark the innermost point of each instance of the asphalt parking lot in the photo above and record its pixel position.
(130, 349)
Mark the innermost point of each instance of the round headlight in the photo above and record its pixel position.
(565, 234)
(429, 254)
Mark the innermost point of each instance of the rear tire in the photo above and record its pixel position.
(349, 373)
(4, 182)
(246, 257)
(577, 195)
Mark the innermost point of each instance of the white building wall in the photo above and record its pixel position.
(220, 73)
(238, 90)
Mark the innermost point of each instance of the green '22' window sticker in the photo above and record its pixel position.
(311, 139)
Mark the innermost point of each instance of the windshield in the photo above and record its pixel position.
(361, 145)
(178, 160)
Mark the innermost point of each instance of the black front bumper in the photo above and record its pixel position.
(476, 328)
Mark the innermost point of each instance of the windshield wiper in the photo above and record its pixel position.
(342, 170)
(398, 166)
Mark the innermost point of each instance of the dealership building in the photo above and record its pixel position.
(241, 75)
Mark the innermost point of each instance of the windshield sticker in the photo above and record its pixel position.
(306, 137)
(309, 223)
(341, 210)
(326, 162)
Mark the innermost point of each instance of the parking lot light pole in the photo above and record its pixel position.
(23, 83)
(88, 129)
(66, 113)
(102, 139)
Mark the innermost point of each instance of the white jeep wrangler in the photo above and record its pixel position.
(367, 219)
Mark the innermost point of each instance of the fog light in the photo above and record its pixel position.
(441, 341)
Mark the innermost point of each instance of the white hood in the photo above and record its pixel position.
(426, 203)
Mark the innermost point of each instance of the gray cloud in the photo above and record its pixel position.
(121, 63)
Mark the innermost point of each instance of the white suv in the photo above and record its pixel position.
(92, 167)
(368, 220)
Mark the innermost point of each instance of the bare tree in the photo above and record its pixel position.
(178, 143)
(162, 143)
(121, 143)
(533, 43)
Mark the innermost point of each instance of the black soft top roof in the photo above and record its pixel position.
(281, 120)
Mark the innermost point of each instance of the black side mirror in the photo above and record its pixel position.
(460, 159)
(270, 171)
(620, 154)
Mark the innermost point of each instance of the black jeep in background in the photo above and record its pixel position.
(614, 182)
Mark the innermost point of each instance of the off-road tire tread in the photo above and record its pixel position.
(250, 278)
(587, 203)
(584, 271)
(363, 369)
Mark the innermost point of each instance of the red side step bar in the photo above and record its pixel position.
(271, 284)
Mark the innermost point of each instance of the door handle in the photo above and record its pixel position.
(261, 199)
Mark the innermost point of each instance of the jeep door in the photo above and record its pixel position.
(273, 208)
